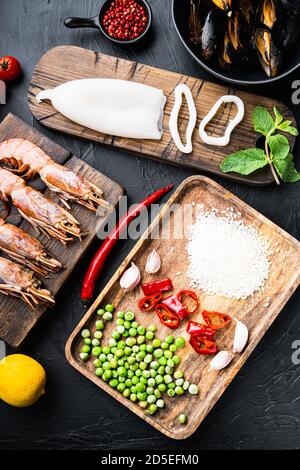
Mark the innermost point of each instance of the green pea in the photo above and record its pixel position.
(98, 334)
(135, 325)
(148, 358)
(143, 380)
(157, 393)
(132, 331)
(169, 339)
(169, 370)
(153, 373)
(170, 363)
(150, 390)
(173, 348)
(121, 387)
(163, 361)
(127, 350)
(99, 325)
(156, 343)
(135, 348)
(130, 374)
(107, 374)
(97, 363)
(149, 348)
(138, 372)
(151, 382)
(115, 376)
(99, 371)
(154, 365)
(133, 389)
(107, 316)
(85, 333)
(119, 353)
(179, 390)
(164, 345)
(115, 335)
(180, 342)
(120, 322)
(109, 308)
(171, 392)
(182, 419)
(113, 383)
(125, 334)
(167, 379)
(140, 387)
(102, 357)
(133, 397)
(84, 356)
(131, 360)
(96, 351)
(160, 403)
(178, 374)
(112, 342)
(193, 389)
(140, 339)
(146, 373)
(86, 348)
(135, 380)
(171, 385)
(162, 387)
(141, 330)
(126, 393)
(120, 315)
(127, 324)
(176, 360)
(143, 365)
(186, 385)
(122, 371)
(152, 328)
(168, 354)
(113, 363)
(142, 396)
(106, 365)
(110, 357)
(143, 404)
(130, 341)
(106, 350)
(143, 347)
(149, 335)
(159, 379)
(87, 341)
(151, 399)
(100, 311)
(120, 329)
(161, 370)
(152, 409)
(129, 316)
(158, 353)
(179, 382)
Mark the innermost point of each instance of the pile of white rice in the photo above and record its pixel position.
(226, 257)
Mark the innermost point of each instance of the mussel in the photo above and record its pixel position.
(225, 53)
(268, 51)
(225, 5)
(211, 33)
(195, 26)
(234, 50)
(268, 13)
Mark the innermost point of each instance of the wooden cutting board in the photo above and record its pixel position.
(64, 63)
(16, 318)
(257, 312)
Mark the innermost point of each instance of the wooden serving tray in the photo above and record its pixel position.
(16, 318)
(258, 312)
(64, 63)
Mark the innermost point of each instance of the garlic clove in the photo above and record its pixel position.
(153, 263)
(221, 360)
(130, 278)
(240, 336)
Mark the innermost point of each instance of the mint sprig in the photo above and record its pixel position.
(276, 153)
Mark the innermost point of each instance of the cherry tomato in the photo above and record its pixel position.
(10, 68)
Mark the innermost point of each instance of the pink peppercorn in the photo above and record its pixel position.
(125, 20)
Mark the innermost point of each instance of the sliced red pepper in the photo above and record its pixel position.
(167, 317)
(175, 306)
(146, 304)
(185, 295)
(198, 329)
(215, 320)
(203, 345)
(161, 285)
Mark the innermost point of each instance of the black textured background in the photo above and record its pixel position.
(261, 408)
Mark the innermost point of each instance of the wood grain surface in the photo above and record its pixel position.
(16, 318)
(65, 63)
(257, 312)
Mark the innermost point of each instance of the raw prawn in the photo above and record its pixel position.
(26, 159)
(40, 211)
(26, 249)
(20, 282)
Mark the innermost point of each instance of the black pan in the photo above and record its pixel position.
(254, 76)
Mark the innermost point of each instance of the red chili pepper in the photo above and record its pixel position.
(215, 320)
(188, 293)
(197, 329)
(146, 304)
(203, 345)
(100, 257)
(161, 285)
(167, 317)
(175, 306)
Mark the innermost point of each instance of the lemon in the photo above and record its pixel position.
(22, 380)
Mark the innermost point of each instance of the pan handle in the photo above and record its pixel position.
(74, 22)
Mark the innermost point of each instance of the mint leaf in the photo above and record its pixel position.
(279, 146)
(244, 161)
(286, 169)
(262, 120)
(278, 116)
(285, 126)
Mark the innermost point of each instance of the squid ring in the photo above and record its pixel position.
(180, 90)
